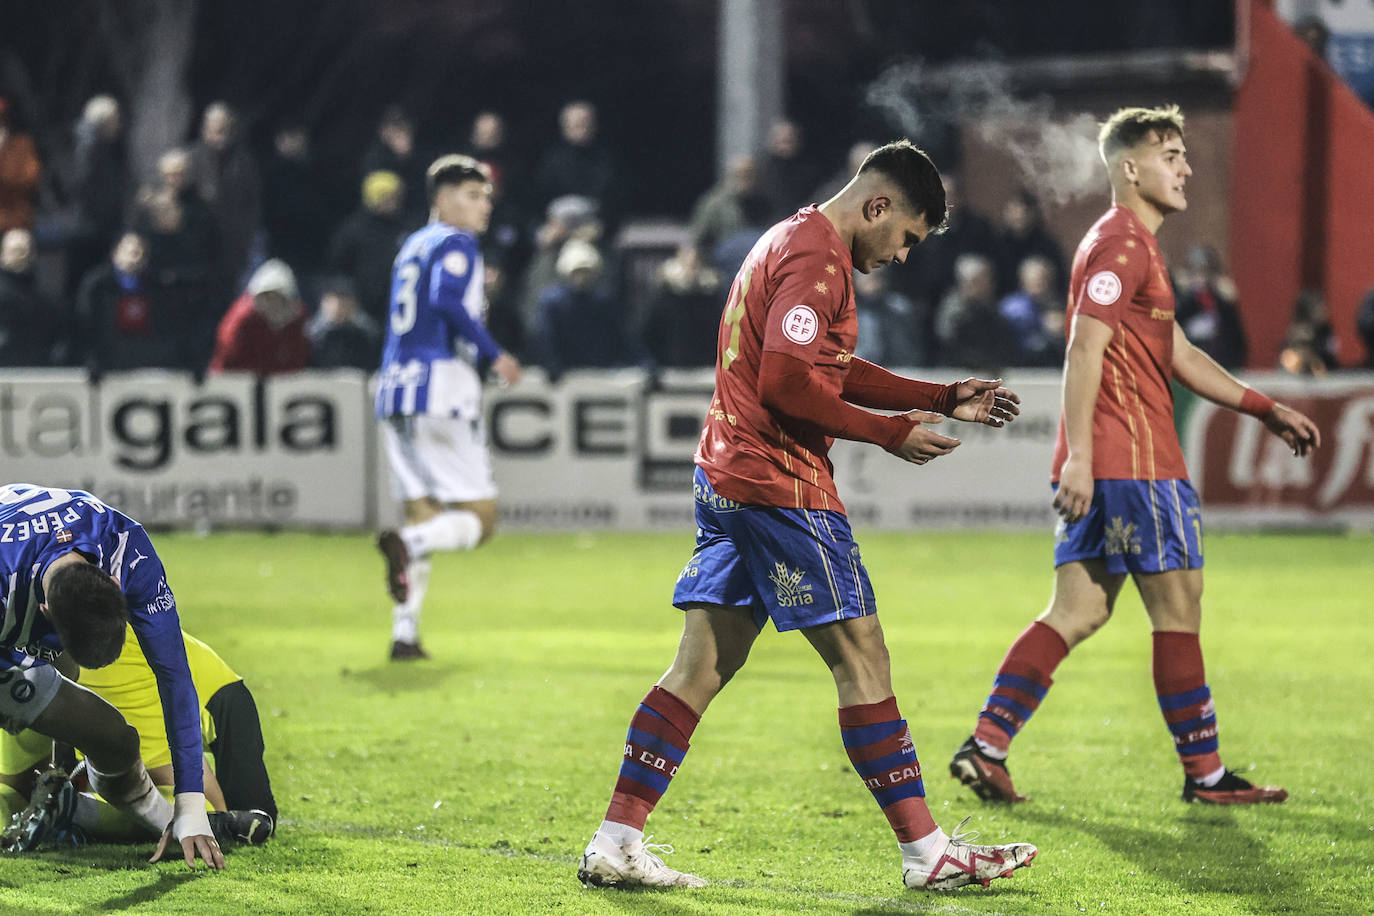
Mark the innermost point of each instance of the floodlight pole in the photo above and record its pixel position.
(750, 74)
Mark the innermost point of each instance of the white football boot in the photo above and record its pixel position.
(961, 863)
(606, 864)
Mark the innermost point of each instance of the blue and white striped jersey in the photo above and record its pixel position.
(38, 525)
(435, 333)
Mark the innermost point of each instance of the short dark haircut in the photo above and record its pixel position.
(89, 612)
(454, 169)
(917, 178)
(1127, 127)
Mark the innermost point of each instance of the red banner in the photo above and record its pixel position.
(1238, 464)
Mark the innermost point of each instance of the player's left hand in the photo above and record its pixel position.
(1294, 428)
(981, 400)
(192, 847)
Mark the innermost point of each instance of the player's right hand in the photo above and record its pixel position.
(508, 368)
(923, 444)
(1075, 494)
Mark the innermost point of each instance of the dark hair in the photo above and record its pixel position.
(915, 174)
(1127, 127)
(454, 169)
(89, 613)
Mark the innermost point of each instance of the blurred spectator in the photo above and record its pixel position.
(503, 314)
(365, 245)
(28, 319)
(719, 213)
(183, 254)
(1364, 321)
(100, 185)
(183, 243)
(341, 335)
(1021, 234)
(578, 325)
(568, 217)
(1310, 346)
(122, 318)
(682, 321)
(891, 333)
(788, 176)
(1206, 308)
(264, 330)
(226, 176)
(502, 242)
(20, 173)
(968, 326)
(858, 152)
(1034, 314)
(930, 276)
(394, 150)
(1312, 31)
(294, 201)
(729, 253)
(579, 164)
(487, 144)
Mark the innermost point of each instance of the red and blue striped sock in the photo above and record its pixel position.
(1021, 683)
(879, 745)
(1186, 701)
(654, 748)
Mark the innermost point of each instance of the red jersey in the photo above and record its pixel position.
(1119, 278)
(794, 294)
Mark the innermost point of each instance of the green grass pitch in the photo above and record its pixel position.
(469, 783)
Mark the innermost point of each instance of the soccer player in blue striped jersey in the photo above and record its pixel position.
(429, 391)
(73, 573)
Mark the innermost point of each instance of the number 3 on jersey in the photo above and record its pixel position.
(403, 319)
(734, 314)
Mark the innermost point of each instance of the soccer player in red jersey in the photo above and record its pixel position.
(773, 541)
(1122, 490)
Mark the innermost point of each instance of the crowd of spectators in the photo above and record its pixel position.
(227, 261)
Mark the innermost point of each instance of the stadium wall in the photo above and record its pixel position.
(611, 451)
(1300, 214)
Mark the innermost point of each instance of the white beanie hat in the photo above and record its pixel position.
(273, 276)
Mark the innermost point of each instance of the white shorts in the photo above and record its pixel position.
(440, 457)
(25, 693)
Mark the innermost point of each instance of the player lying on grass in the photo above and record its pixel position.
(1121, 488)
(237, 789)
(74, 574)
(773, 541)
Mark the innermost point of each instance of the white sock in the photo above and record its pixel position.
(452, 529)
(620, 834)
(133, 793)
(1211, 778)
(996, 753)
(405, 617)
(926, 846)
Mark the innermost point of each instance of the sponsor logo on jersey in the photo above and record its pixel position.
(788, 582)
(163, 601)
(800, 324)
(1162, 314)
(1104, 287)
